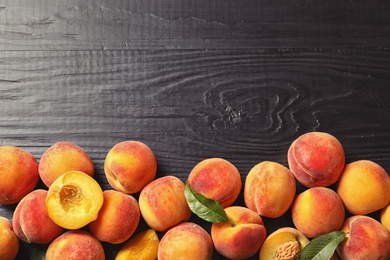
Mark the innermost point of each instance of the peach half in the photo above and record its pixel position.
(143, 246)
(74, 200)
(385, 217)
(129, 166)
(19, 174)
(8, 240)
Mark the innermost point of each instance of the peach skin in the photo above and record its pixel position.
(9, 242)
(385, 217)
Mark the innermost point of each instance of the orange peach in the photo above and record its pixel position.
(317, 211)
(385, 217)
(143, 246)
(269, 189)
(242, 236)
(186, 241)
(74, 200)
(129, 166)
(163, 204)
(19, 174)
(62, 157)
(31, 221)
(364, 187)
(217, 179)
(75, 245)
(118, 218)
(316, 159)
(9, 242)
(366, 239)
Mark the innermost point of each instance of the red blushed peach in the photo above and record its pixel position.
(186, 241)
(163, 204)
(9, 242)
(316, 159)
(75, 245)
(366, 239)
(129, 166)
(31, 221)
(269, 189)
(118, 218)
(217, 179)
(19, 174)
(364, 187)
(317, 211)
(242, 236)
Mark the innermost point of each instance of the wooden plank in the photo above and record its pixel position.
(202, 24)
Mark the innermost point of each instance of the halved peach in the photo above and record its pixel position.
(74, 200)
(144, 245)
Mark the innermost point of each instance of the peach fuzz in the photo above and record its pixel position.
(31, 221)
(75, 245)
(62, 157)
(316, 159)
(163, 204)
(8, 240)
(217, 179)
(384, 217)
(317, 211)
(366, 239)
(118, 218)
(186, 241)
(74, 200)
(129, 166)
(364, 187)
(19, 174)
(269, 189)
(143, 246)
(242, 236)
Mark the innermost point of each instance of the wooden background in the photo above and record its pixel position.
(194, 79)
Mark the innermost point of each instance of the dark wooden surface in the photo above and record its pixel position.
(194, 79)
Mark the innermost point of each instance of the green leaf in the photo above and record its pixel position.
(205, 208)
(322, 247)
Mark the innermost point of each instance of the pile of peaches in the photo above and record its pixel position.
(73, 216)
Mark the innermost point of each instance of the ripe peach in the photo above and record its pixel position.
(316, 159)
(366, 239)
(118, 218)
(143, 246)
(31, 221)
(385, 217)
(19, 174)
(284, 243)
(9, 242)
(129, 166)
(62, 157)
(216, 179)
(364, 187)
(186, 241)
(75, 245)
(242, 236)
(269, 189)
(74, 200)
(317, 211)
(163, 204)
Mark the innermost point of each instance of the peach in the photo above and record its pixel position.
(129, 166)
(364, 187)
(384, 217)
(31, 221)
(63, 157)
(316, 159)
(163, 204)
(317, 211)
(283, 243)
(217, 179)
(75, 245)
(19, 174)
(118, 218)
(186, 241)
(143, 246)
(74, 200)
(366, 238)
(9, 242)
(242, 236)
(269, 189)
